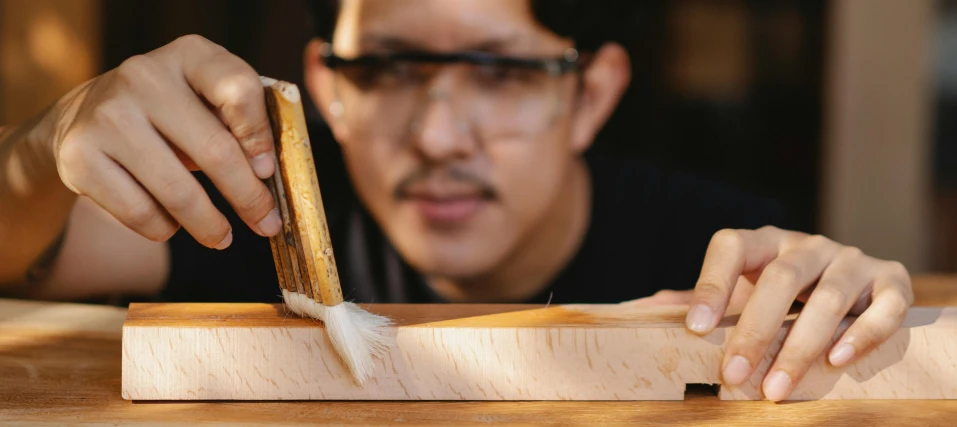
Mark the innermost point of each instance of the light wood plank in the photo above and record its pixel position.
(53, 374)
(477, 352)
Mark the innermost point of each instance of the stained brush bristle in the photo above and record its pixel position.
(357, 335)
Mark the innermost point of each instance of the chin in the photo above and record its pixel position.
(435, 262)
(460, 253)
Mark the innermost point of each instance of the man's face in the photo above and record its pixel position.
(456, 162)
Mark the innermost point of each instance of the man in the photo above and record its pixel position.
(464, 127)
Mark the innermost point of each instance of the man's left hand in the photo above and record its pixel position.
(761, 273)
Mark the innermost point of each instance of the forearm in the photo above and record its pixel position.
(34, 203)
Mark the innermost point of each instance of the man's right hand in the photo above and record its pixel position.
(129, 139)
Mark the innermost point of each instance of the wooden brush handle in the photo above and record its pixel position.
(303, 250)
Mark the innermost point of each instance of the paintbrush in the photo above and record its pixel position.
(302, 252)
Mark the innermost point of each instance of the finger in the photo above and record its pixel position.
(837, 290)
(730, 254)
(739, 298)
(148, 158)
(94, 174)
(187, 162)
(663, 297)
(205, 140)
(863, 301)
(780, 283)
(214, 150)
(671, 297)
(891, 298)
(235, 91)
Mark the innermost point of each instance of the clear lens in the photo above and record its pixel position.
(388, 100)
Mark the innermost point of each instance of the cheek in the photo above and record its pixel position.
(529, 178)
(373, 170)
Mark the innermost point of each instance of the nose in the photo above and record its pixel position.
(441, 133)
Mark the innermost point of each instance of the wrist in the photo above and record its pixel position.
(32, 158)
(35, 204)
(50, 128)
(29, 165)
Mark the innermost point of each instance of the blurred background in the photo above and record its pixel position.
(840, 108)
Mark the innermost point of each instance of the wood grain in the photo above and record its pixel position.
(935, 290)
(271, 315)
(61, 364)
(475, 352)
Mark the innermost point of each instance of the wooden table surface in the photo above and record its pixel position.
(60, 364)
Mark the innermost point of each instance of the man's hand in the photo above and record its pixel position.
(769, 269)
(129, 138)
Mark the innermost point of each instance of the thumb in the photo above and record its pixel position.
(664, 297)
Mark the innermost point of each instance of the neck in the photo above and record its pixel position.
(541, 256)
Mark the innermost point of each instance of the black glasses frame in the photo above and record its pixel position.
(569, 62)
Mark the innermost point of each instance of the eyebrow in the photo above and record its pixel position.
(399, 44)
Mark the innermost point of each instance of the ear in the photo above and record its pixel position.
(320, 84)
(604, 81)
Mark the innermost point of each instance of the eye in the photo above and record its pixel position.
(500, 74)
(384, 74)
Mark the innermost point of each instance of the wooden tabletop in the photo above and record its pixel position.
(60, 364)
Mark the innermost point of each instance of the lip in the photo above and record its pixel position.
(448, 211)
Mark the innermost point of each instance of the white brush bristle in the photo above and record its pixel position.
(357, 335)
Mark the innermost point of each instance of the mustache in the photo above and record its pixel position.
(451, 173)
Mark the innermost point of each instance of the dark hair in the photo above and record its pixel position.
(590, 23)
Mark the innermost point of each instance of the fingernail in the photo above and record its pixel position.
(264, 165)
(737, 371)
(271, 224)
(776, 386)
(841, 354)
(700, 318)
(225, 242)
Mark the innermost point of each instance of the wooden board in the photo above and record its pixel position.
(60, 365)
(496, 352)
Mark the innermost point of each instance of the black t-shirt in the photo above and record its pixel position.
(649, 231)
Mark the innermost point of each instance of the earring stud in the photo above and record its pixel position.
(335, 108)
